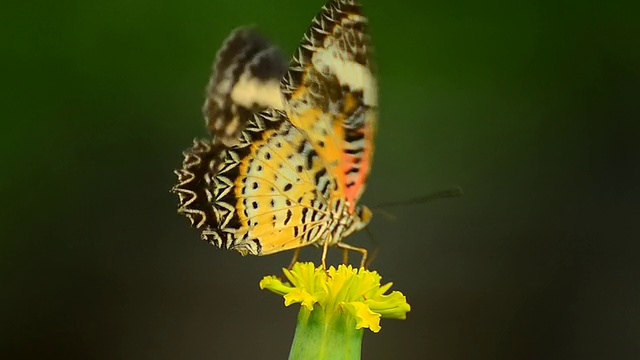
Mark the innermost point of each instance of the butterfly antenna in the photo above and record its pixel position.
(443, 194)
(376, 248)
(389, 216)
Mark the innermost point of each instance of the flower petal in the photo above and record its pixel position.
(392, 306)
(275, 285)
(365, 318)
(300, 296)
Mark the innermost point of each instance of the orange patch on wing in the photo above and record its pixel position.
(349, 161)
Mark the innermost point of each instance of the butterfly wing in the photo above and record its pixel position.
(194, 178)
(245, 80)
(270, 192)
(331, 94)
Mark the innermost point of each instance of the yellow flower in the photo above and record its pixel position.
(356, 293)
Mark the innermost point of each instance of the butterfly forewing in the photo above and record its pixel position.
(330, 92)
(245, 80)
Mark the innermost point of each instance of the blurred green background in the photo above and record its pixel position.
(530, 106)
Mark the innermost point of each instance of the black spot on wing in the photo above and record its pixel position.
(300, 148)
(310, 156)
(258, 245)
(354, 169)
(319, 174)
(324, 189)
(288, 218)
(354, 136)
(354, 151)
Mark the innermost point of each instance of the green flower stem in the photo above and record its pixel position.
(326, 336)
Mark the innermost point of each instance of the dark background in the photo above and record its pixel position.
(531, 106)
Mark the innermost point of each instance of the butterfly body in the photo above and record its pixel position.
(282, 175)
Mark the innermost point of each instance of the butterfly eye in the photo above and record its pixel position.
(364, 213)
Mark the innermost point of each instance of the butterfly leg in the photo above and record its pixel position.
(325, 249)
(296, 253)
(348, 247)
(345, 256)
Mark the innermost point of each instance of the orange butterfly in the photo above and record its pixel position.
(292, 146)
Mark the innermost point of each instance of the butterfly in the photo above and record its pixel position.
(291, 144)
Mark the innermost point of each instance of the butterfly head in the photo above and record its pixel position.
(363, 215)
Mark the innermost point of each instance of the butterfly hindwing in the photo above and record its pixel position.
(277, 187)
(194, 179)
(245, 80)
(331, 94)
